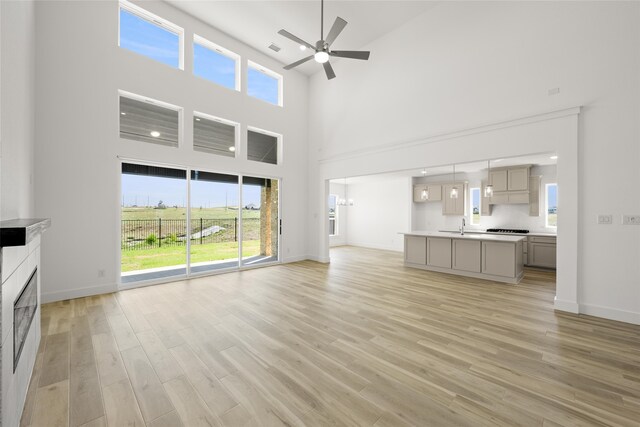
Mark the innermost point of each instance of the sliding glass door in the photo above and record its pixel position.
(220, 221)
(153, 227)
(214, 221)
(260, 220)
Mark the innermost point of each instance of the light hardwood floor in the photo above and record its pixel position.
(363, 341)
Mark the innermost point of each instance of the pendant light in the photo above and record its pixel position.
(488, 189)
(454, 189)
(425, 191)
(343, 201)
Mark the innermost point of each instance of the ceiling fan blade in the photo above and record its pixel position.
(298, 40)
(353, 54)
(328, 69)
(295, 64)
(336, 29)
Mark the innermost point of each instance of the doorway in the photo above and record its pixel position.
(183, 222)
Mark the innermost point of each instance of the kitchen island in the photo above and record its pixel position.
(485, 256)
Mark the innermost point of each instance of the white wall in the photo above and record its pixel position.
(17, 76)
(462, 65)
(428, 215)
(80, 70)
(381, 210)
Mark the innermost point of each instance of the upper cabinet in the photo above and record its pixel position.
(498, 179)
(510, 185)
(433, 193)
(451, 206)
(485, 202)
(534, 195)
(518, 179)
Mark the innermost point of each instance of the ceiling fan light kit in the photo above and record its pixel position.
(322, 47)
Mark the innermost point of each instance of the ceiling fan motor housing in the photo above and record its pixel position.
(321, 45)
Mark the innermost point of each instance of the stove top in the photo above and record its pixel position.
(507, 230)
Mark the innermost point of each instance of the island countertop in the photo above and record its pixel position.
(473, 236)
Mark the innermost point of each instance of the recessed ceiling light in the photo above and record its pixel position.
(123, 113)
(197, 119)
(303, 47)
(553, 157)
(232, 148)
(155, 133)
(497, 160)
(424, 171)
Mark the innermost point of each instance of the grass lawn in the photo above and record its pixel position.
(553, 220)
(176, 255)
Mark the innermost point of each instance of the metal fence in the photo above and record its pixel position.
(141, 234)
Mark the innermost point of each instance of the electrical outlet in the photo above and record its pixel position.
(631, 219)
(605, 219)
(554, 91)
(100, 273)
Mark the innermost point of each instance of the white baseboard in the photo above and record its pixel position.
(568, 306)
(78, 293)
(324, 260)
(375, 246)
(610, 313)
(294, 259)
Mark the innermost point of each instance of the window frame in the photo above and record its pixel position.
(236, 125)
(154, 20)
(163, 104)
(264, 70)
(208, 44)
(471, 190)
(546, 205)
(335, 217)
(278, 136)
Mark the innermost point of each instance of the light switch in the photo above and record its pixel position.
(605, 219)
(631, 219)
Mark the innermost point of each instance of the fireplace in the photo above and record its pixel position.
(24, 310)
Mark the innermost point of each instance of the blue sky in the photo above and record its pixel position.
(552, 196)
(475, 198)
(150, 40)
(262, 86)
(214, 66)
(140, 190)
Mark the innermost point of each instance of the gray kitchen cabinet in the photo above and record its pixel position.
(417, 193)
(434, 192)
(498, 178)
(499, 259)
(415, 249)
(518, 179)
(541, 252)
(534, 195)
(466, 255)
(510, 185)
(453, 206)
(485, 202)
(439, 252)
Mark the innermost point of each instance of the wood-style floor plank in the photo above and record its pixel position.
(363, 341)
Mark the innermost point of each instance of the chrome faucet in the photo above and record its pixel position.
(462, 226)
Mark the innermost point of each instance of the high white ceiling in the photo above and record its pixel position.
(257, 23)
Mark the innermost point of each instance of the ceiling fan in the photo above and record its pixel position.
(321, 49)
